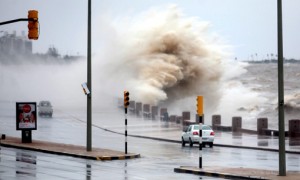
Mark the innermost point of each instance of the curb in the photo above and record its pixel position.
(107, 158)
(215, 174)
(98, 158)
(218, 145)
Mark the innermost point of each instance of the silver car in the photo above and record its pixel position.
(191, 135)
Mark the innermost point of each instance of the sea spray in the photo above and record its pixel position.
(165, 57)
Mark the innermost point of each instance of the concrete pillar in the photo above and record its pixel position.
(138, 108)
(131, 107)
(262, 123)
(146, 110)
(172, 118)
(216, 120)
(294, 132)
(154, 112)
(236, 124)
(179, 119)
(294, 128)
(162, 112)
(186, 115)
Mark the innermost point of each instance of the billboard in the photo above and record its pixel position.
(26, 116)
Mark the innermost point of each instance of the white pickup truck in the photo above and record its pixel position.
(45, 108)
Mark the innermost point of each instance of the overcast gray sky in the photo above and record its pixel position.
(250, 26)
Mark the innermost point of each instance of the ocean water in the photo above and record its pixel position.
(262, 78)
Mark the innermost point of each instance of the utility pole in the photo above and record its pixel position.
(281, 128)
(89, 80)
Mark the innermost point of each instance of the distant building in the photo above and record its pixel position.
(11, 44)
(16, 49)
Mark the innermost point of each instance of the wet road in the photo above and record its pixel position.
(158, 158)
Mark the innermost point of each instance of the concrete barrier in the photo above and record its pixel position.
(236, 124)
(186, 115)
(162, 112)
(131, 107)
(172, 118)
(262, 124)
(154, 112)
(294, 132)
(294, 128)
(138, 109)
(146, 111)
(179, 119)
(216, 121)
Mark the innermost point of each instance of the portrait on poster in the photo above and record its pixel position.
(26, 116)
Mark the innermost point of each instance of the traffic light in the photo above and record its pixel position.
(33, 25)
(200, 105)
(126, 99)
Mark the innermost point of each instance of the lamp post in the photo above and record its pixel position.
(89, 81)
(282, 161)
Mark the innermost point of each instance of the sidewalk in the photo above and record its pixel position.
(67, 149)
(237, 173)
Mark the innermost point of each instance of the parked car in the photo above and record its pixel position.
(191, 135)
(45, 108)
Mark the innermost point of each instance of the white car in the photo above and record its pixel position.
(45, 108)
(191, 135)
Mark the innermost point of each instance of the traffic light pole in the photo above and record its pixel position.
(200, 115)
(126, 104)
(17, 20)
(125, 130)
(200, 140)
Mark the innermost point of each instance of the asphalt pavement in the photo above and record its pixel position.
(107, 154)
(145, 128)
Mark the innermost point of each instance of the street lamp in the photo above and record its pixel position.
(282, 161)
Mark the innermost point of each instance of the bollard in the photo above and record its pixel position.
(166, 117)
(2, 138)
(216, 120)
(162, 112)
(154, 112)
(172, 118)
(138, 108)
(262, 124)
(186, 115)
(294, 132)
(294, 128)
(146, 111)
(131, 107)
(236, 124)
(179, 119)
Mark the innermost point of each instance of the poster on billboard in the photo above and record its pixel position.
(26, 116)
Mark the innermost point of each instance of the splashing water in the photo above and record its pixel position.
(167, 57)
